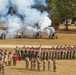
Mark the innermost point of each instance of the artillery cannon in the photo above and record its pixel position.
(37, 35)
(53, 36)
(3, 36)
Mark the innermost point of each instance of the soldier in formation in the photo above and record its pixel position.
(2, 66)
(44, 64)
(49, 64)
(27, 62)
(39, 63)
(54, 65)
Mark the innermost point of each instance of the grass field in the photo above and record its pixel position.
(63, 38)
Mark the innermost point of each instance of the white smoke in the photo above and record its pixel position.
(24, 15)
(30, 31)
(45, 22)
(4, 5)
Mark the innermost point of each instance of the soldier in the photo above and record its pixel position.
(44, 54)
(44, 64)
(53, 52)
(39, 64)
(74, 52)
(19, 53)
(49, 63)
(16, 50)
(10, 58)
(22, 53)
(34, 63)
(2, 66)
(6, 58)
(54, 65)
(50, 53)
(4, 34)
(47, 54)
(27, 62)
(15, 59)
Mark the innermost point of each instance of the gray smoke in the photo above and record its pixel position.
(17, 14)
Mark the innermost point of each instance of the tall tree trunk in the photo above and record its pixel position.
(66, 23)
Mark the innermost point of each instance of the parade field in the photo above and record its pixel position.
(37, 37)
(64, 67)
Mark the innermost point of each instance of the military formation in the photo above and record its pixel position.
(34, 58)
(40, 56)
(58, 52)
(37, 58)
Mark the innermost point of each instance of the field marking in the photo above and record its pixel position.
(14, 46)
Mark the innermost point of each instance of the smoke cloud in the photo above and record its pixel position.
(17, 14)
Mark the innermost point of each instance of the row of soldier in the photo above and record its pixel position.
(38, 63)
(58, 52)
(33, 60)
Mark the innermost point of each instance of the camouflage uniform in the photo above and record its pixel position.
(27, 62)
(49, 64)
(39, 64)
(44, 54)
(44, 65)
(16, 50)
(54, 65)
(10, 56)
(74, 53)
(2, 66)
(32, 63)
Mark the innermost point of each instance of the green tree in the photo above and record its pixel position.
(62, 9)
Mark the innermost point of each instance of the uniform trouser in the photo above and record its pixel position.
(74, 56)
(14, 63)
(44, 67)
(69, 56)
(2, 69)
(27, 65)
(39, 67)
(34, 65)
(54, 68)
(5, 62)
(64, 55)
(9, 62)
(49, 66)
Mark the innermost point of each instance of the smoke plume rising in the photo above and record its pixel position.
(18, 14)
